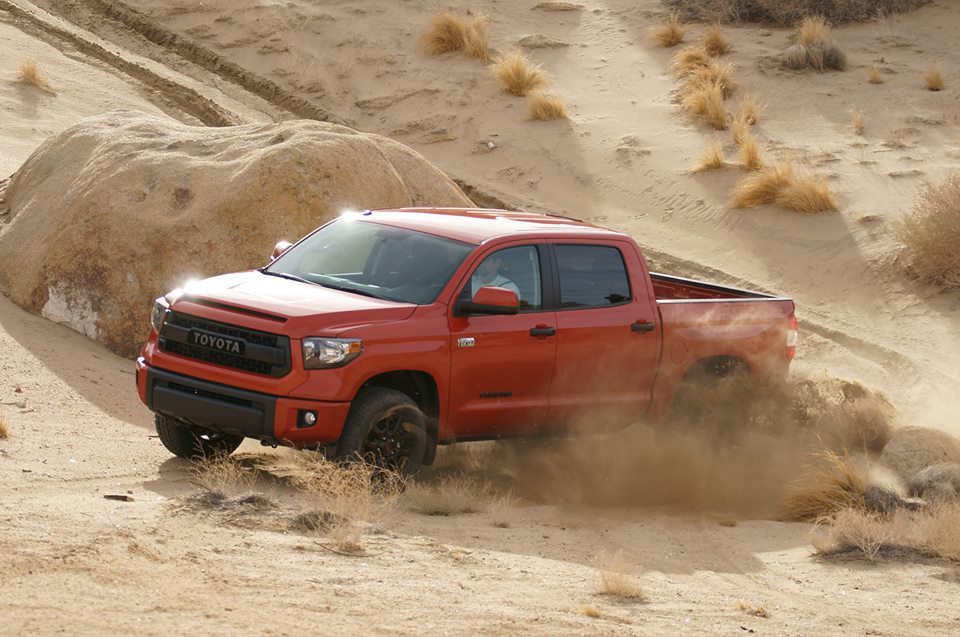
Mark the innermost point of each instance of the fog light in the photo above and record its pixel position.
(310, 418)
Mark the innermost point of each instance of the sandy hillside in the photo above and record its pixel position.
(72, 561)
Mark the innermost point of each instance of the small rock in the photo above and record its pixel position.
(118, 497)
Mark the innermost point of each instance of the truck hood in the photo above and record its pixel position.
(303, 308)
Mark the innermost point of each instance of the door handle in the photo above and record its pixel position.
(642, 326)
(542, 330)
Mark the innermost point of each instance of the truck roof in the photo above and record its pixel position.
(476, 225)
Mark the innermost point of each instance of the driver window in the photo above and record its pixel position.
(516, 269)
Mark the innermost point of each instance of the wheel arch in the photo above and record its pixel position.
(419, 386)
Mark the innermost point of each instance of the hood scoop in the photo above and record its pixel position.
(235, 309)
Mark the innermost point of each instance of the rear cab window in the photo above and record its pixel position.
(591, 276)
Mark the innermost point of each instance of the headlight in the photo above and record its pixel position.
(160, 308)
(320, 353)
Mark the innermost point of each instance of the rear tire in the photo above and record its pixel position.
(386, 429)
(192, 442)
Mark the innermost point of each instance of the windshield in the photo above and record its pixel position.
(373, 260)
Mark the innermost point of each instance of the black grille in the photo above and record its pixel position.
(264, 353)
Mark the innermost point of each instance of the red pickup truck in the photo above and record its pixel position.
(386, 333)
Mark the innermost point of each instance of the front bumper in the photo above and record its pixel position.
(273, 419)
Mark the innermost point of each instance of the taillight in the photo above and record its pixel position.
(792, 338)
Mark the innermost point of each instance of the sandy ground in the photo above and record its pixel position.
(72, 561)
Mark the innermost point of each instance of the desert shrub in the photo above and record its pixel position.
(475, 39)
(544, 107)
(781, 13)
(4, 428)
(690, 58)
(750, 152)
(518, 75)
(763, 187)
(715, 42)
(749, 109)
(856, 120)
(452, 495)
(448, 32)
(806, 193)
(225, 474)
(30, 73)
(711, 158)
(347, 495)
(873, 75)
(929, 233)
(615, 582)
(927, 532)
(934, 79)
(779, 184)
(706, 101)
(937, 482)
(670, 33)
(445, 33)
(831, 483)
(712, 73)
(814, 48)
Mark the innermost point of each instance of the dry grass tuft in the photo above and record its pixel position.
(856, 120)
(749, 109)
(589, 610)
(711, 159)
(779, 184)
(929, 233)
(934, 79)
(924, 533)
(755, 611)
(615, 582)
(873, 75)
(670, 33)
(814, 48)
(690, 58)
(448, 32)
(545, 107)
(445, 33)
(225, 474)
(349, 496)
(740, 129)
(712, 73)
(806, 193)
(30, 73)
(763, 187)
(706, 101)
(517, 75)
(750, 152)
(814, 31)
(453, 495)
(476, 43)
(715, 42)
(832, 483)
(4, 428)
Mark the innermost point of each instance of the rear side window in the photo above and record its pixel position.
(591, 276)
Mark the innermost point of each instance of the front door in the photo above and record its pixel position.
(502, 366)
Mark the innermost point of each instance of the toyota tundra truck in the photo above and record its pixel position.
(385, 333)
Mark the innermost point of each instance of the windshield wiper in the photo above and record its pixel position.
(344, 288)
(284, 275)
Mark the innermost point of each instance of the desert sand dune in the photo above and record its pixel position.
(695, 523)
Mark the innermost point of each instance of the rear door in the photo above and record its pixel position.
(502, 366)
(607, 336)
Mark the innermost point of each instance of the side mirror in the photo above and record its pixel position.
(490, 300)
(280, 248)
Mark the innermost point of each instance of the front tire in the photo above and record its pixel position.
(386, 429)
(193, 442)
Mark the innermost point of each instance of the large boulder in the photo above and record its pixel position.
(913, 449)
(120, 208)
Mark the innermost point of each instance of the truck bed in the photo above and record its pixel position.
(674, 288)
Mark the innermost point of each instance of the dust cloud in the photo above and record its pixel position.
(730, 449)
